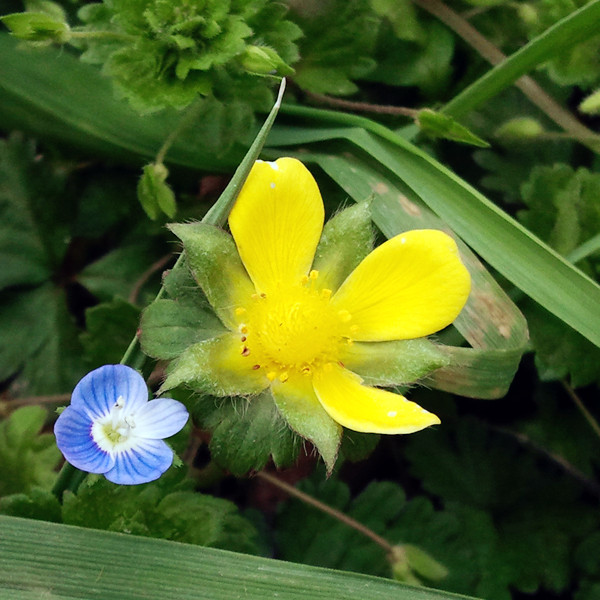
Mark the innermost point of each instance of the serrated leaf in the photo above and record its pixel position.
(109, 329)
(246, 433)
(38, 503)
(32, 228)
(28, 458)
(331, 58)
(165, 509)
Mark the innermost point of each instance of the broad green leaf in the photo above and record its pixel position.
(34, 554)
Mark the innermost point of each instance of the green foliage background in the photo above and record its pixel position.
(505, 493)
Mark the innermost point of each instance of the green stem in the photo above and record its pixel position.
(70, 477)
(109, 35)
(183, 124)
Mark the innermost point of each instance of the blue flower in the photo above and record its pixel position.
(112, 429)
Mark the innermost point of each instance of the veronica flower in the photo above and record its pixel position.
(112, 429)
(308, 321)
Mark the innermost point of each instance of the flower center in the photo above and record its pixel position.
(292, 329)
(112, 433)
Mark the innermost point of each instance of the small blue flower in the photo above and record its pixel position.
(111, 428)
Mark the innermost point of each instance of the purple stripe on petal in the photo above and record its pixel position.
(147, 461)
(160, 419)
(74, 439)
(98, 391)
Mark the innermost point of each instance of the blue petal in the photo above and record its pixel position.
(73, 431)
(160, 418)
(147, 461)
(98, 391)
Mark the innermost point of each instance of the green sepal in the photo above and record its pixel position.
(263, 60)
(247, 433)
(168, 327)
(215, 264)
(439, 125)
(203, 367)
(154, 193)
(305, 415)
(347, 239)
(408, 560)
(37, 27)
(394, 363)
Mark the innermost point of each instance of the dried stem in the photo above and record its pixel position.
(381, 109)
(333, 512)
(587, 415)
(143, 278)
(559, 460)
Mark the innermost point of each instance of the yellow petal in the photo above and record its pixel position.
(411, 286)
(277, 222)
(367, 409)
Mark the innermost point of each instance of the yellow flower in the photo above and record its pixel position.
(302, 326)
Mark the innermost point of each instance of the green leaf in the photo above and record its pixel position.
(45, 348)
(332, 57)
(425, 62)
(33, 230)
(180, 569)
(38, 503)
(246, 433)
(531, 508)
(110, 326)
(165, 509)
(118, 272)
(439, 125)
(28, 458)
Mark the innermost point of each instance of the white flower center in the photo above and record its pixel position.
(115, 431)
